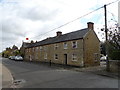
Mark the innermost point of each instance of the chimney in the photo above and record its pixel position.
(90, 25)
(59, 33)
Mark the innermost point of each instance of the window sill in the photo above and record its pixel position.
(74, 60)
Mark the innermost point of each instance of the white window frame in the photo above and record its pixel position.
(45, 48)
(45, 56)
(56, 55)
(40, 48)
(74, 57)
(65, 45)
(74, 44)
(36, 49)
(56, 46)
(33, 49)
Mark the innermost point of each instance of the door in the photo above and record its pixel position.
(65, 59)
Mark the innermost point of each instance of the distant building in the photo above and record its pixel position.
(22, 48)
(78, 48)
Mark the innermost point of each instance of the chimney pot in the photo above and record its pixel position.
(90, 25)
(59, 33)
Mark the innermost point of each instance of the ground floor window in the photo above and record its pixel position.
(45, 56)
(56, 56)
(96, 57)
(74, 57)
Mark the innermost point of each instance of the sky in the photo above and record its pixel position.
(21, 19)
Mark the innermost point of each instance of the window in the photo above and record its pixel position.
(36, 55)
(45, 48)
(56, 46)
(26, 50)
(36, 49)
(56, 56)
(65, 45)
(40, 48)
(33, 49)
(96, 57)
(74, 44)
(74, 57)
(45, 56)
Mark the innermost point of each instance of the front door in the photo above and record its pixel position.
(65, 59)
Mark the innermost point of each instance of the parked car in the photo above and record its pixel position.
(12, 57)
(18, 58)
(103, 58)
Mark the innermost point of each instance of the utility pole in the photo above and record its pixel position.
(106, 36)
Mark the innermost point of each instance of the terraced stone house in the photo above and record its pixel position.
(78, 48)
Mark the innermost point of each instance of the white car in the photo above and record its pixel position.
(18, 58)
(103, 58)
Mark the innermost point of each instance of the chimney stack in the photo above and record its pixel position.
(59, 33)
(90, 25)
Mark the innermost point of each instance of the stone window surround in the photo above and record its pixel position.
(74, 57)
(65, 46)
(45, 56)
(56, 56)
(74, 44)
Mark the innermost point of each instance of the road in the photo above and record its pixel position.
(32, 75)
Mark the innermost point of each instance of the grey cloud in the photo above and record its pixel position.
(38, 13)
(12, 26)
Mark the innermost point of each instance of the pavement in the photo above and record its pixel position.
(99, 70)
(6, 77)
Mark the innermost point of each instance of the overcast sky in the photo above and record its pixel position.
(20, 19)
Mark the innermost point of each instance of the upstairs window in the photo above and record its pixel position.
(74, 57)
(65, 45)
(36, 49)
(33, 49)
(45, 48)
(29, 49)
(40, 48)
(56, 56)
(26, 50)
(74, 44)
(56, 46)
(36, 55)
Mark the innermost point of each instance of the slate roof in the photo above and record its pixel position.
(79, 34)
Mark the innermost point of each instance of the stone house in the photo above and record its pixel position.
(78, 48)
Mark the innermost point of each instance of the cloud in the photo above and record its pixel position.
(38, 13)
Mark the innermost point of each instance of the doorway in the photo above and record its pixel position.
(65, 59)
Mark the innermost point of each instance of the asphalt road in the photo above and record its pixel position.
(32, 75)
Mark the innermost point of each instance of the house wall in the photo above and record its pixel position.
(38, 54)
(91, 49)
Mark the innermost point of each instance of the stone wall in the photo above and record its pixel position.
(115, 65)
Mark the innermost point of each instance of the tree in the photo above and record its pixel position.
(14, 47)
(113, 44)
